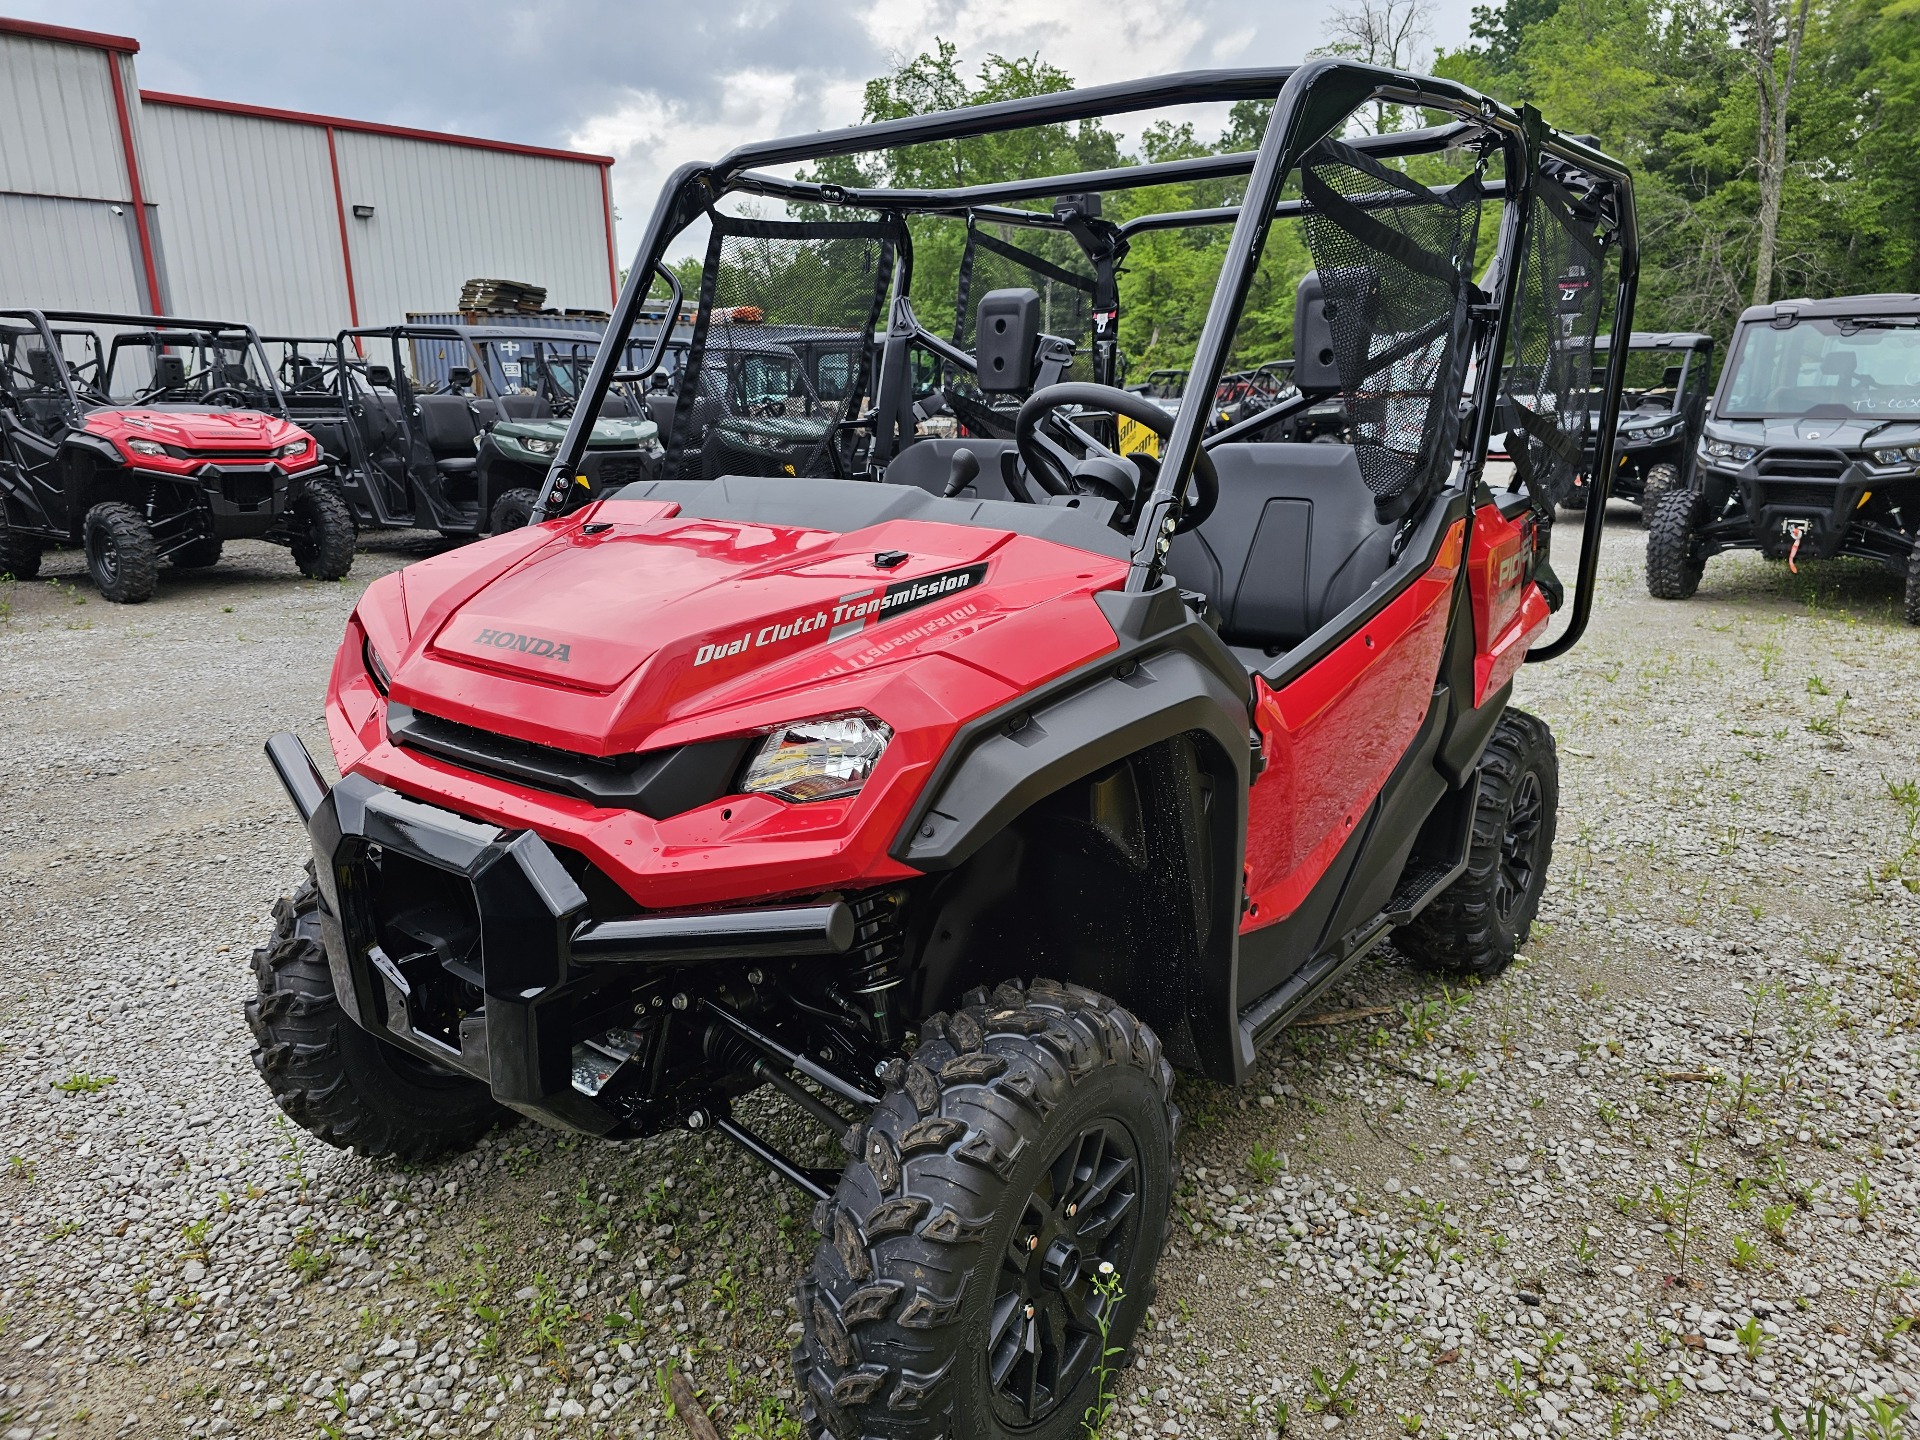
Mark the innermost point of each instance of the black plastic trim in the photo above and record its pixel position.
(657, 783)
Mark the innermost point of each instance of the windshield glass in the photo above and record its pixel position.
(1861, 367)
(191, 367)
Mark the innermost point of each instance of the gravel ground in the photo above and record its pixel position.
(1660, 1179)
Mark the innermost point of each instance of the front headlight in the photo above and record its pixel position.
(293, 447)
(817, 759)
(1889, 457)
(539, 446)
(1727, 450)
(146, 447)
(376, 667)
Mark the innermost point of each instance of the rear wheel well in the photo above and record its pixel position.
(1124, 880)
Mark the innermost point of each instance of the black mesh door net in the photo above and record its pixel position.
(1556, 314)
(1393, 258)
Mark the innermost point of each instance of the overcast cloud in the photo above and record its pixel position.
(656, 84)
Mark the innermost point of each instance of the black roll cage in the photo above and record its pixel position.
(1311, 102)
(44, 320)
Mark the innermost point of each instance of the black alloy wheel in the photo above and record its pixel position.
(1044, 1332)
(1519, 848)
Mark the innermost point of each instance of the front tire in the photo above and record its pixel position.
(1661, 479)
(323, 534)
(1913, 584)
(122, 558)
(1475, 925)
(1674, 561)
(1028, 1143)
(512, 511)
(334, 1079)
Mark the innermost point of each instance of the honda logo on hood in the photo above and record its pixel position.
(525, 644)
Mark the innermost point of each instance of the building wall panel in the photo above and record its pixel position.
(59, 131)
(60, 254)
(444, 214)
(252, 230)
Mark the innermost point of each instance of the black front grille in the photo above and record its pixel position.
(247, 489)
(659, 783)
(1815, 497)
(624, 470)
(1802, 464)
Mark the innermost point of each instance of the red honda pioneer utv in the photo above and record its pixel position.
(146, 439)
(800, 782)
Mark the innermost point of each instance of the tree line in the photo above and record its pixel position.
(1771, 143)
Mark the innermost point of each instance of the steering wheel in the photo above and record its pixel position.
(240, 397)
(1043, 438)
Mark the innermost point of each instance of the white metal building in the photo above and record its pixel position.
(112, 198)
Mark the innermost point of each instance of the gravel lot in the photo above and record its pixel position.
(1659, 1180)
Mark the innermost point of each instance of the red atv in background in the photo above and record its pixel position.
(147, 439)
(796, 784)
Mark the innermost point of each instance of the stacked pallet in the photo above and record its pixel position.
(503, 297)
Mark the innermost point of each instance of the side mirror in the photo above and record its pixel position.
(460, 377)
(380, 377)
(1005, 337)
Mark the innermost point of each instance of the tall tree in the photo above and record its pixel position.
(1769, 24)
(1389, 33)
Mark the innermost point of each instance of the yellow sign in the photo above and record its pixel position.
(1135, 436)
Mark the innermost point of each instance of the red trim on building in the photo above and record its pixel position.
(613, 262)
(365, 127)
(346, 250)
(155, 303)
(33, 30)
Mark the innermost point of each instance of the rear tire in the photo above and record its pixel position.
(1475, 925)
(512, 511)
(323, 534)
(1660, 480)
(1913, 584)
(19, 554)
(122, 559)
(201, 554)
(1029, 1141)
(332, 1078)
(1674, 561)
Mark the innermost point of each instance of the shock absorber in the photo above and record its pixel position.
(875, 967)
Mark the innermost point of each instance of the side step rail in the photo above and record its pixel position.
(1421, 882)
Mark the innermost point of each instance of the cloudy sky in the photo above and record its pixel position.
(660, 82)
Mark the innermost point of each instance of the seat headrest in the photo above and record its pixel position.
(44, 368)
(169, 372)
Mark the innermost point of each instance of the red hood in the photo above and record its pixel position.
(597, 640)
(242, 431)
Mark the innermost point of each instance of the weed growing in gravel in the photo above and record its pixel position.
(292, 1153)
(81, 1083)
(1584, 1253)
(1522, 1392)
(1263, 1164)
(1330, 1396)
(21, 1168)
(1752, 1337)
(1746, 1254)
(1107, 1283)
(1864, 1200)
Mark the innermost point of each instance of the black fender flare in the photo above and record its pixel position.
(1171, 676)
(82, 455)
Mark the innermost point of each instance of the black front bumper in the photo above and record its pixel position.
(475, 948)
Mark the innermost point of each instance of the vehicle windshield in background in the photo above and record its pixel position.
(183, 367)
(763, 380)
(1653, 379)
(1865, 366)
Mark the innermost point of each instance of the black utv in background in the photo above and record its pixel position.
(1664, 404)
(1811, 449)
